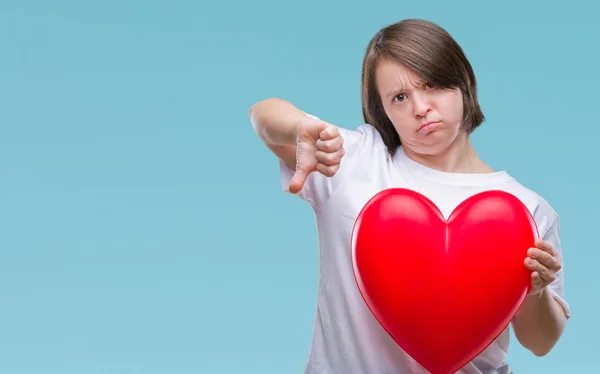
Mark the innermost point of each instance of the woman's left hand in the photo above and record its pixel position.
(543, 261)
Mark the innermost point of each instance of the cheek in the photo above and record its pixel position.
(403, 124)
(393, 115)
(451, 106)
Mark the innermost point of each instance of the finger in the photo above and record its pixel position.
(330, 145)
(329, 159)
(536, 282)
(544, 246)
(544, 258)
(544, 272)
(326, 170)
(298, 180)
(329, 132)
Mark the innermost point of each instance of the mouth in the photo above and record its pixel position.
(428, 126)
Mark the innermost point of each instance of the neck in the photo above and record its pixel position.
(459, 157)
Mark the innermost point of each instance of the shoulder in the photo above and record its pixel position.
(364, 140)
(544, 214)
(363, 147)
(363, 136)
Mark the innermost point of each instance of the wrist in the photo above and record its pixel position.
(537, 295)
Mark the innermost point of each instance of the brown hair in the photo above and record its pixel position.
(429, 51)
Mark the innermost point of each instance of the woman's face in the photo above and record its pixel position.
(427, 119)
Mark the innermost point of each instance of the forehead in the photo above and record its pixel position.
(392, 76)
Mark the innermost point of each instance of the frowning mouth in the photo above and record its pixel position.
(429, 126)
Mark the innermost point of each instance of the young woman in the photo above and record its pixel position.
(419, 100)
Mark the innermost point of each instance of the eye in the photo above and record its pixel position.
(429, 86)
(399, 98)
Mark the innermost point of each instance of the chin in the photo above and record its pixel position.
(433, 149)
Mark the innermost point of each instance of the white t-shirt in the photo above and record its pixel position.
(347, 339)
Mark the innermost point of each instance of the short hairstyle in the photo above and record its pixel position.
(429, 51)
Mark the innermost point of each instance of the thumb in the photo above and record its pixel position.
(297, 182)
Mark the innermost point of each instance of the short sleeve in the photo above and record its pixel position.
(318, 187)
(557, 288)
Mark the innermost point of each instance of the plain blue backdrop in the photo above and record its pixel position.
(142, 224)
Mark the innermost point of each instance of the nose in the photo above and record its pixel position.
(421, 104)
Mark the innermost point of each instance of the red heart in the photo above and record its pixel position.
(443, 289)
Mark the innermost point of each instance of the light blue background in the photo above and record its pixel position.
(142, 225)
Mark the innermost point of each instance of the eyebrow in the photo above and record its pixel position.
(394, 91)
(391, 92)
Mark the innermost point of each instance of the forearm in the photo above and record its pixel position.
(275, 121)
(539, 323)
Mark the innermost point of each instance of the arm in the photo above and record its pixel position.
(539, 323)
(541, 320)
(304, 143)
(275, 122)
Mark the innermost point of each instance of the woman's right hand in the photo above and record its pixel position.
(319, 148)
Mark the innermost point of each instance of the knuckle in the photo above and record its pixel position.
(323, 169)
(330, 158)
(328, 146)
(337, 143)
(333, 146)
